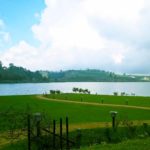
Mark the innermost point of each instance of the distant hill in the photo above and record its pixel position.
(14, 74)
(93, 75)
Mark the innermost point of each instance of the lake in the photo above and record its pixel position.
(139, 88)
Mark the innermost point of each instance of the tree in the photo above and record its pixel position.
(52, 92)
(75, 89)
(57, 92)
(86, 91)
(115, 93)
(11, 65)
(1, 65)
(80, 90)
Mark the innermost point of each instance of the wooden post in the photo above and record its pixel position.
(113, 122)
(37, 117)
(61, 145)
(54, 132)
(113, 115)
(29, 132)
(78, 138)
(67, 134)
(38, 129)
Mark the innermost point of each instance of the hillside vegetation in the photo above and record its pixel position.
(90, 75)
(138, 144)
(14, 74)
(89, 113)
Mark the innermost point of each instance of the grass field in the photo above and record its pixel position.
(105, 99)
(138, 144)
(79, 108)
(77, 113)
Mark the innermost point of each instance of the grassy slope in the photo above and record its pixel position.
(77, 113)
(138, 144)
(132, 100)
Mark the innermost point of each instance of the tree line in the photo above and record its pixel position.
(13, 74)
(80, 90)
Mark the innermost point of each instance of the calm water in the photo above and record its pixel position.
(141, 89)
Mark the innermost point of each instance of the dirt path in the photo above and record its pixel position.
(92, 104)
(91, 125)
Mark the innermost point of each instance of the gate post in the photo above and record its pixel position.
(113, 115)
(61, 133)
(67, 134)
(37, 117)
(78, 138)
(54, 132)
(29, 132)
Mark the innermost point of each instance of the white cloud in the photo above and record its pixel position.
(125, 10)
(118, 58)
(37, 15)
(1, 24)
(86, 34)
(22, 53)
(5, 37)
(66, 29)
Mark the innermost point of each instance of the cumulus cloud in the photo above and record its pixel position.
(19, 54)
(1, 24)
(4, 35)
(110, 35)
(130, 26)
(66, 29)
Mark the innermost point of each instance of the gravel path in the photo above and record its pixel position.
(93, 104)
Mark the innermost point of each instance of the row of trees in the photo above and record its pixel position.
(90, 75)
(123, 94)
(55, 92)
(80, 90)
(15, 74)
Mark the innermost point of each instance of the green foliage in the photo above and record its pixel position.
(87, 114)
(55, 91)
(108, 135)
(90, 75)
(14, 74)
(136, 144)
(80, 90)
(106, 99)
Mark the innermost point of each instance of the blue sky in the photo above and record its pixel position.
(19, 16)
(110, 35)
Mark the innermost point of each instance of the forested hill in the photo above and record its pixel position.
(14, 74)
(92, 75)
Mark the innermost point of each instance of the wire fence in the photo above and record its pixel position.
(33, 131)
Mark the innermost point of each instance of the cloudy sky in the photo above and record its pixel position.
(111, 35)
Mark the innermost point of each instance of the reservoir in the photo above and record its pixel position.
(105, 88)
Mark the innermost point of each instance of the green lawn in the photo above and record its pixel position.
(138, 144)
(77, 113)
(134, 144)
(122, 100)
